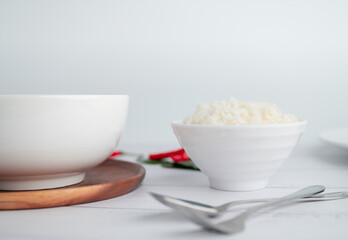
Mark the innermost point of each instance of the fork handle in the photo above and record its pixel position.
(306, 192)
(318, 197)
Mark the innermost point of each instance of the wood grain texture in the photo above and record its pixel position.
(110, 179)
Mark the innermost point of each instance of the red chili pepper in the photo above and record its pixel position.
(176, 156)
(159, 156)
(180, 157)
(114, 154)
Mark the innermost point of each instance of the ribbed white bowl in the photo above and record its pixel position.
(240, 157)
(49, 141)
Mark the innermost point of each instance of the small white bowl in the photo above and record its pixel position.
(49, 141)
(238, 157)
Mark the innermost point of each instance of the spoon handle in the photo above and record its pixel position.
(318, 197)
(305, 192)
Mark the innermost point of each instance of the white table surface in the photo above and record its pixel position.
(137, 216)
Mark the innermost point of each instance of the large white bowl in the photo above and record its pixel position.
(48, 141)
(240, 157)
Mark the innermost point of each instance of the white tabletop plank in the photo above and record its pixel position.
(138, 216)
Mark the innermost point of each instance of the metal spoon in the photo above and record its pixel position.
(214, 211)
(237, 224)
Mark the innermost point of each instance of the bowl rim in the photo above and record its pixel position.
(179, 123)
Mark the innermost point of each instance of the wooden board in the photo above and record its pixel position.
(110, 179)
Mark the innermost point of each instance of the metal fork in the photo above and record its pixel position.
(237, 224)
(215, 211)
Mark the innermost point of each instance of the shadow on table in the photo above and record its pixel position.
(169, 216)
(201, 234)
(174, 218)
(331, 154)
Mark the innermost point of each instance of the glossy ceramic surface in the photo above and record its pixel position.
(238, 158)
(48, 141)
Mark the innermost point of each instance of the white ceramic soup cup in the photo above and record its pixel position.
(48, 141)
(239, 157)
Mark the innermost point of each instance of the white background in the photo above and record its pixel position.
(171, 55)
